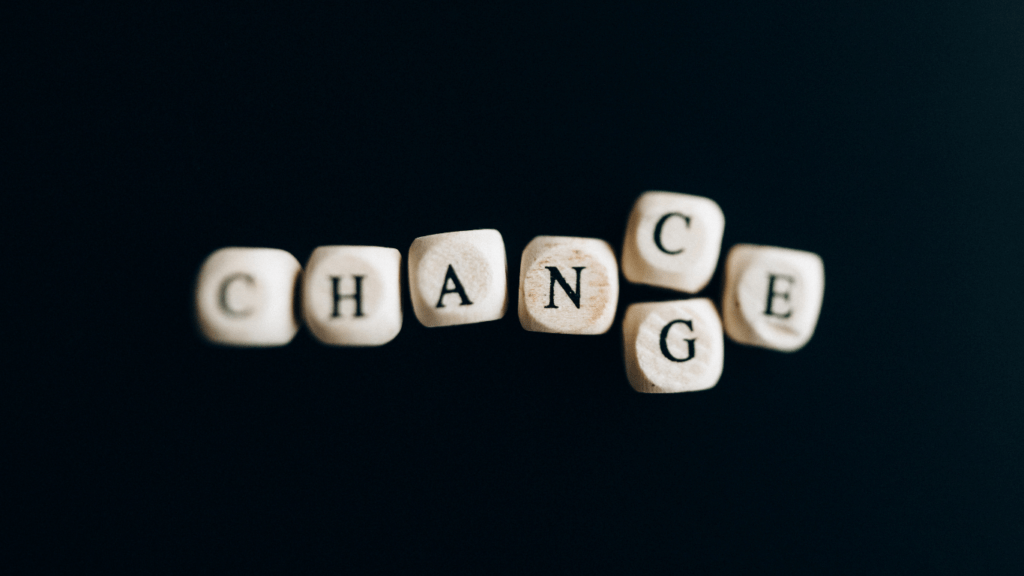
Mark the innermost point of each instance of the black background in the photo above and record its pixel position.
(885, 138)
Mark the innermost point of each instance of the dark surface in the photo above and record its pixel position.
(888, 140)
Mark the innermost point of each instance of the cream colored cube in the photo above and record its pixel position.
(674, 346)
(568, 285)
(673, 241)
(458, 277)
(246, 297)
(351, 295)
(772, 296)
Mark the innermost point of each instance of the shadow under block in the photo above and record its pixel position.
(772, 296)
(568, 285)
(674, 346)
(672, 241)
(246, 297)
(458, 278)
(351, 295)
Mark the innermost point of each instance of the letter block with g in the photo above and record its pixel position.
(246, 297)
(674, 346)
(351, 295)
(772, 296)
(672, 241)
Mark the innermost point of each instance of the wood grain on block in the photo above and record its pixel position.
(458, 277)
(672, 241)
(246, 297)
(772, 296)
(674, 346)
(351, 295)
(568, 285)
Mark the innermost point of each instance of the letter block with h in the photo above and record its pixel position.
(772, 296)
(246, 297)
(568, 285)
(674, 346)
(672, 241)
(351, 295)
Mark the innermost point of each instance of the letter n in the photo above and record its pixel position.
(573, 295)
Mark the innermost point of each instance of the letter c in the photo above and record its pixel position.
(661, 224)
(224, 294)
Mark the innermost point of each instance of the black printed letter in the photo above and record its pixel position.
(457, 287)
(357, 296)
(772, 294)
(660, 224)
(689, 342)
(556, 276)
(224, 294)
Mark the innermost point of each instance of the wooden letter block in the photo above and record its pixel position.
(458, 277)
(246, 297)
(673, 346)
(351, 295)
(568, 285)
(772, 296)
(673, 241)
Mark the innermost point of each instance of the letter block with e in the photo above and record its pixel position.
(351, 295)
(246, 297)
(772, 296)
(458, 277)
(568, 285)
(672, 241)
(674, 346)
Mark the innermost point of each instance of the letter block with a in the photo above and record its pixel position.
(674, 346)
(673, 241)
(246, 297)
(568, 285)
(458, 277)
(351, 295)
(772, 296)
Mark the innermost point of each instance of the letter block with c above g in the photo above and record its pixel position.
(772, 296)
(672, 241)
(246, 297)
(568, 285)
(674, 346)
(351, 295)
(458, 277)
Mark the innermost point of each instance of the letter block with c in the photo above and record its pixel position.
(246, 297)
(772, 296)
(351, 295)
(672, 241)
(674, 346)
(568, 285)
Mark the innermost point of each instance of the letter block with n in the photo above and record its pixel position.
(351, 295)
(772, 296)
(674, 346)
(458, 277)
(672, 241)
(568, 285)
(246, 297)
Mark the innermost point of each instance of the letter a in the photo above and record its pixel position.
(457, 288)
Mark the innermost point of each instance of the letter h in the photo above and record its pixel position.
(357, 296)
